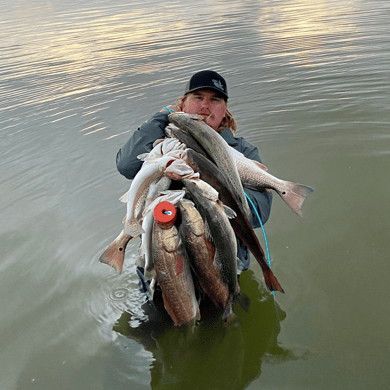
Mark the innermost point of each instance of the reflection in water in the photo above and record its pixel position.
(213, 356)
(51, 55)
(298, 30)
(309, 86)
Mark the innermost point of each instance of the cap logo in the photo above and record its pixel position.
(218, 84)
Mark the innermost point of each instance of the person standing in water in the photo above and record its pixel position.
(206, 95)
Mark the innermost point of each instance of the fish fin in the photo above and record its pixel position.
(230, 213)
(125, 197)
(217, 263)
(114, 255)
(195, 117)
(271, 281)
(260, 165)
(168, 130)
(294, 195)
(208, 231)
(142, 156)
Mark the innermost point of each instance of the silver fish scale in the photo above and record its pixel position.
(255, 179)
(216, 147)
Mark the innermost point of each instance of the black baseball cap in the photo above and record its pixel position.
(207, 79)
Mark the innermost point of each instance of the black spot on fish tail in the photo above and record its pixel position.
(295, 195)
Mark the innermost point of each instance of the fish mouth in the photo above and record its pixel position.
(209, 117)
(206, 118)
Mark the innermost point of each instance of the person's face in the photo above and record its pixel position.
(207, 103)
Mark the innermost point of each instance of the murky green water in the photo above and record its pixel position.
(309, 85)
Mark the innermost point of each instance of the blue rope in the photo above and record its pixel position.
(168, 109)
(262, 228)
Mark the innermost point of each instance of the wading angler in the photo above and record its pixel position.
(187, 154)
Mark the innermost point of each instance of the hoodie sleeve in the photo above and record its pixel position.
(262, 202)
(140, 142)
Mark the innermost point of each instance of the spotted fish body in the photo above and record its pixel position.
(240, 224)
(215, 146)
(162, 184)
(201, 253)
(173, 274)
(151, 170)
(148, 220)
(216, 216)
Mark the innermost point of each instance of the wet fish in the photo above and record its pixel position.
(217, 217)
(185, 138)
(147, 224)
(173, 274)
(215, 146)
(201, 253)
(145, 187)
(242, 227)
(152, 169)
(155, 190)
(254, 175)
(114, 255)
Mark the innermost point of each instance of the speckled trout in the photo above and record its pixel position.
(151, 170)
(215, 146)
(254, 175)
(210, 173)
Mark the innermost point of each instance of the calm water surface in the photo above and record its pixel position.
(309, 85)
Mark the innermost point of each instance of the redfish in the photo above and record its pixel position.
(210, 173)
(217, 217)
(201, 253)
(254, 175)
(173, 274)
(215, 146)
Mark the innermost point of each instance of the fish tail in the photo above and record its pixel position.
(114, 255)
(271, 281)
(294, 195)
